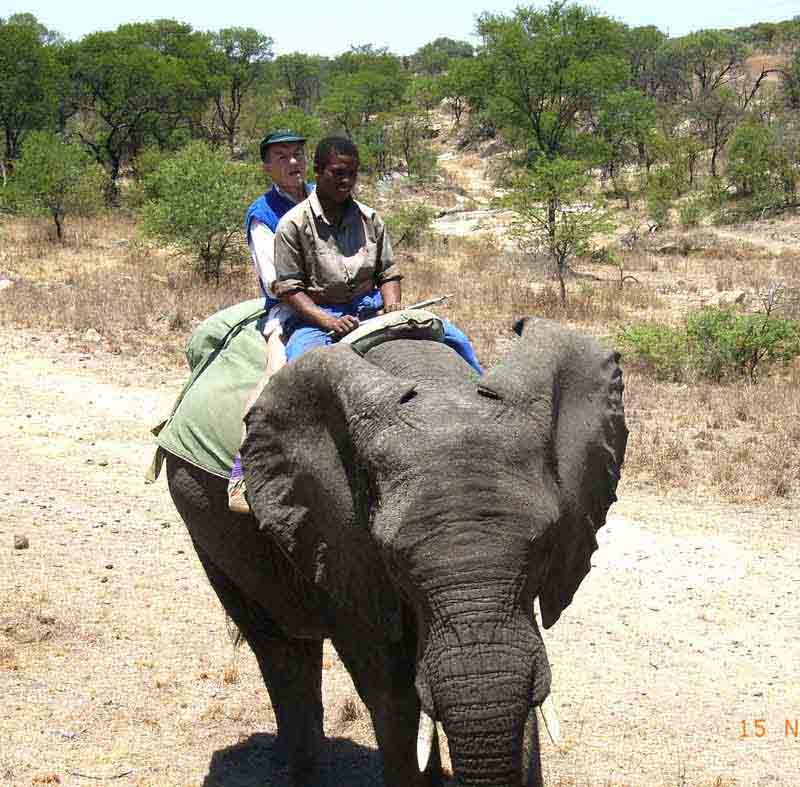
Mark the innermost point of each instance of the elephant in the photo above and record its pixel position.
(411, 512)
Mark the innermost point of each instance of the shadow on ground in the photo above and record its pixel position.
(255, 763)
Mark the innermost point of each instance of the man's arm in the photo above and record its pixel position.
(387, 271)
(291, 282)
(391, 294)
(262, 250)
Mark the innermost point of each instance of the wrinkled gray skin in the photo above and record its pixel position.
(411, 513)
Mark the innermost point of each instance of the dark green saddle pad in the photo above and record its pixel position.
(227, 357)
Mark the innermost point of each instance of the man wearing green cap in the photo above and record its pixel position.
(284, 158)
(283, 154)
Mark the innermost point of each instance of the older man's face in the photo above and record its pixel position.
(285, 163)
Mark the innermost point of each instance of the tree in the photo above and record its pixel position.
(409, 133)
(196, 200)
(45, 35)
(712, 58)
(243, 53)
(643, 45)
(437, 56)
(300, 76)
(464, 86)
(625, 125)
(556, 213)
(790, 87)
(129, 94)
(28, 82)
(363, 83)
(757, 167)
(548, 67)
(56, 179)
(424, 92)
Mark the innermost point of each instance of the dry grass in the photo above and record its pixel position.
(714, 440)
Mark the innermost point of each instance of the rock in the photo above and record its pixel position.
(727, 298)
(670, 248)
(21, 542)
(92, 335)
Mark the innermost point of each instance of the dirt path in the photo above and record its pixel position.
(116, 668)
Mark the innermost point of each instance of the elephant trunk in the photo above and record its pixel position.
(484, 682)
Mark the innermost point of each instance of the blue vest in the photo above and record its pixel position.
(268, 209)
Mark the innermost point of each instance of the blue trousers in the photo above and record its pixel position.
(304, 337)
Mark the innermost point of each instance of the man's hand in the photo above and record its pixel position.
(392, 307)
(341, 326)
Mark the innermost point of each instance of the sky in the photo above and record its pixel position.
(331, 27)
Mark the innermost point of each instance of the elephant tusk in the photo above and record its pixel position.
(547, 709)
(444, 747)
(548, 712)
(424, 740)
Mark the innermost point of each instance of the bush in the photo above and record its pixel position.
(57, 179)
(659, 348)
(197, 200)
(408, 225)
(715, 344)
(727, 343)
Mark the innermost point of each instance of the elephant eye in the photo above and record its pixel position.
(408, 396)
(489, 393)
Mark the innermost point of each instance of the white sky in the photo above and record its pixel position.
(331, 27)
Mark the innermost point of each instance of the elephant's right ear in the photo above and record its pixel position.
(573, 387)
(307, 480)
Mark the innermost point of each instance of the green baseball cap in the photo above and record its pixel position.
(281, 135)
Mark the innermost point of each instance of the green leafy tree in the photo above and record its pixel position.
(790, 87)
(626, 129)
(57, 179)
(758, 166)
(300, 78)
(363, 83)
(28, 84)
(643, 46)
(437, 56)
(196, 200)
(44, 34)
(464, 86)
(547, 68)
(702, 62)
(555, 213)
(410, 141)
(130, 94)
(243, 54)
(424, 92)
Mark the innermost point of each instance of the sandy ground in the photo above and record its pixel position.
(116, 667)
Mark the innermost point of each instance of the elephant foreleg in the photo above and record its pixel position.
(384, 680)
(292, 672)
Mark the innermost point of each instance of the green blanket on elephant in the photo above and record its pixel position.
(227, 357)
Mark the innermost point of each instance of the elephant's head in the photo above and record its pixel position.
(401, 483)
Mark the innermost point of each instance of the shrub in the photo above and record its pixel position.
(691, 211)
(408, 225)
(55, 178)
(726, 343)
(715, 344)
(659, 348)
(197, 200)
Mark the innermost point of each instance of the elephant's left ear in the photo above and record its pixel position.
(573, 387)
(308, 482)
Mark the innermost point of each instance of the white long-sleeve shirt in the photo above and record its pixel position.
(262, 251)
